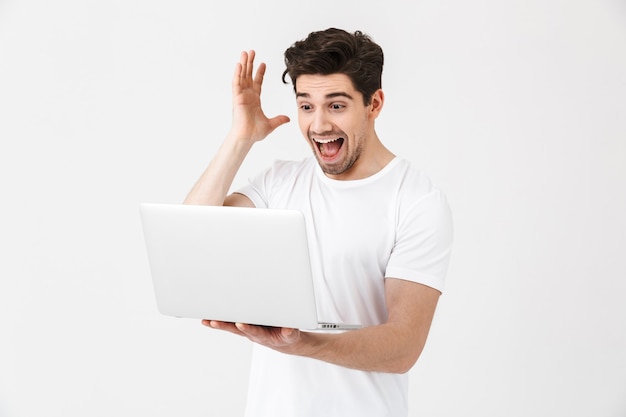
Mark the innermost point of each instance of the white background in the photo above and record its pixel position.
(515, 108)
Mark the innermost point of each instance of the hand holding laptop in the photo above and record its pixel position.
(278, 338)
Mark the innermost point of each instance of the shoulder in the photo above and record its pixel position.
(413, 183)
(282, 175)
(419, 199)
(275, 182)
(287, 171)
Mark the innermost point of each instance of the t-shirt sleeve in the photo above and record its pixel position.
(269, 185)
(423, 243)
(257, 187)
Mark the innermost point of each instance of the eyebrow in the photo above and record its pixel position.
(328, 96)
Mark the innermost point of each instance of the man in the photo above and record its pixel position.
(381, 235)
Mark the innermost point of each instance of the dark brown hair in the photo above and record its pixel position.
(333, 51)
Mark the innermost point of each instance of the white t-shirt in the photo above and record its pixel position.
(393, 224)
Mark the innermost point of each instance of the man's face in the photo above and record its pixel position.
(337, 124)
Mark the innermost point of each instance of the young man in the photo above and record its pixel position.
(381, 235)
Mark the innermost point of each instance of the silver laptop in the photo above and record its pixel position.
(232, 264)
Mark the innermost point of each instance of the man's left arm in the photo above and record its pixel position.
(393, 346)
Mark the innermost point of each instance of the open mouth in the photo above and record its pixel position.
(329, 148)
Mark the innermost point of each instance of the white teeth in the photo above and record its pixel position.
(325, 140)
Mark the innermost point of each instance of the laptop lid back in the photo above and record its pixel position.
(230, 264)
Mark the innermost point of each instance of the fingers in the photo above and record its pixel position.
(222, 325)
(273, 337)
(280, 338)
(243, 71)
(244, 68)
(236, 84)
(260, 73)
(249, 63)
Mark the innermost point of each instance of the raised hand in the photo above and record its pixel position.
(249, 120)
(249, 126)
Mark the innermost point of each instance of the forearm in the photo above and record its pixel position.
(385, 348)
(393, 346)
(215, 182)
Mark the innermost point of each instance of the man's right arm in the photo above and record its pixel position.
(249, 125)
(212, 187)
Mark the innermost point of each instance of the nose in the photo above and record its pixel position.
(321, 122)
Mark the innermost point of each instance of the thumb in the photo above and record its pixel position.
(278, 121)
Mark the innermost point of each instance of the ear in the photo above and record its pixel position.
(376, 103)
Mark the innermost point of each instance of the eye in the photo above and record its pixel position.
(337, 106)
(305, 107)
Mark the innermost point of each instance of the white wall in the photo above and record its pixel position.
(516, 109)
